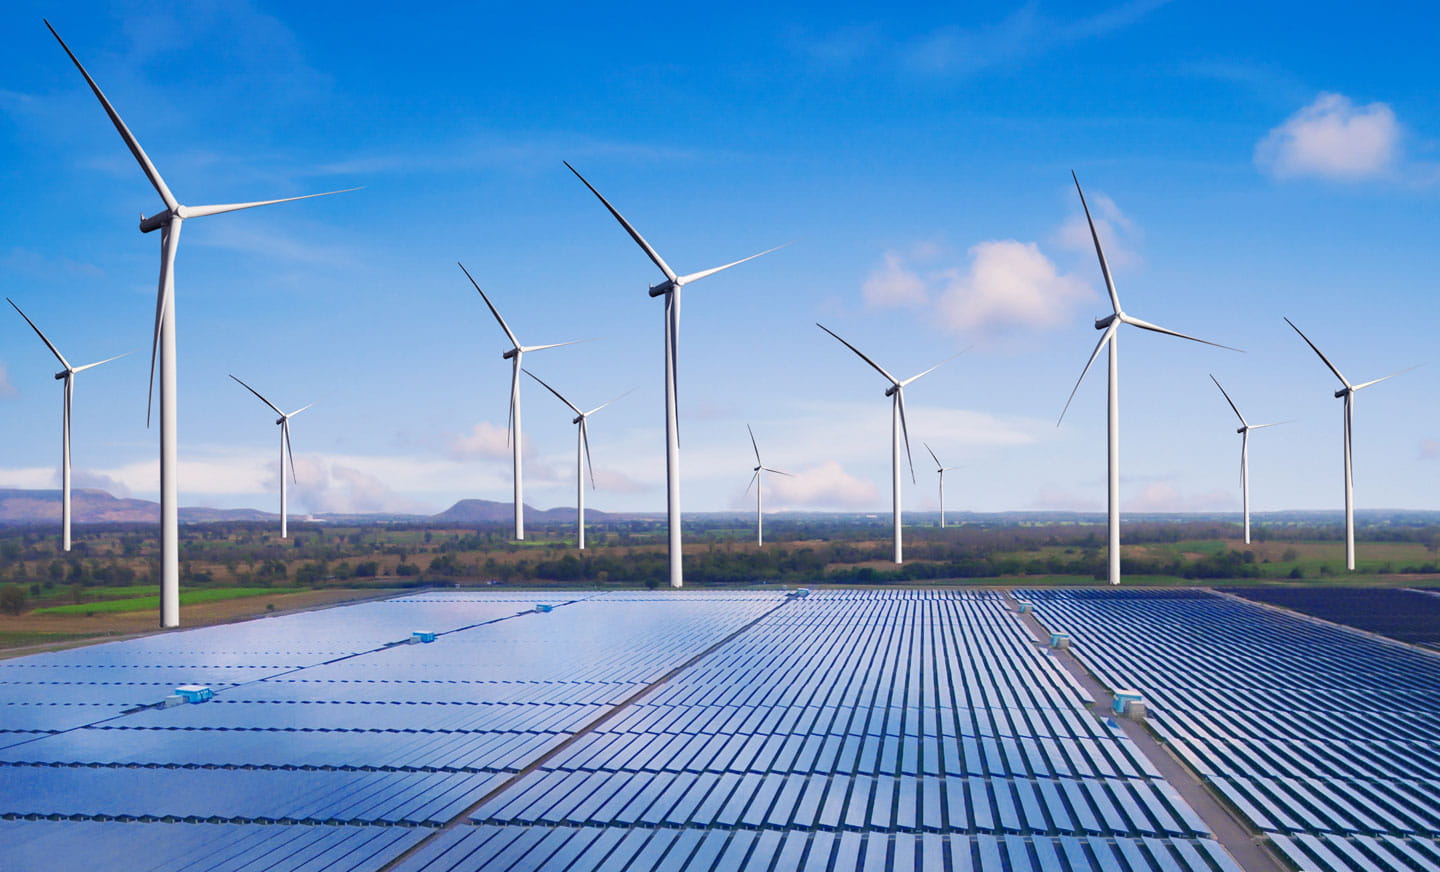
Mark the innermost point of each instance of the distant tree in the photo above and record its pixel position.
(12, 599)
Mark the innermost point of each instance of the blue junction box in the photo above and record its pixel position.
(194, 692)
(421, 636)
(544, 607)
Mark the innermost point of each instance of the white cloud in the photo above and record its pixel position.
(1333, 138)
(827, 486)
(1161, 497)
(614, 481)
(1118, 234)
(1429, 449)
(1009, 284)
(1050, 498)
(485, 440)
(28, 478)
(894, 284)
(90, 478)
(333, 487)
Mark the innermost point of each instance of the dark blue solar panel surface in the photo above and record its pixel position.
(1324, 738)
(865, 730)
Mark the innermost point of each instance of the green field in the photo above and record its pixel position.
(143, 603)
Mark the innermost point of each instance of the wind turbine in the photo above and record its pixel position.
(284, 424)
(896, 392)
(1348, 394)
(1111, 325)
(1244, 431)
(582, 455)
(941, 469)
(68, 376)
(670, 289)
(168, 222)
(758, 481)
(512, 432)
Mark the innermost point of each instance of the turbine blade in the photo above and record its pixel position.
(202, 211)
(130, 141)
(554, 345)
(1244, 441)
(608, 402)
(169, 243)
(98, 362)
(1390, 376)
(695, 277)
(48, 344)
(289, 449)
(1104, 338)
(557, 394)
(932, 455)
(1318, 352)
(905, 429)
(777, 471)
(262, 399)
(493, 311)
(299, 410)
(1099, 252)
(753, 445)
(878, 368)
(674, 298)
(933, 368)
(634, 234)
(1230, 401)
(510, 416)
(1156, 328)
(1271, 424)
(585, 440)
(753, 477)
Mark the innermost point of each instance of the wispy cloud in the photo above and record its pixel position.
(956, 52)
(7, 387)
(1333, 138)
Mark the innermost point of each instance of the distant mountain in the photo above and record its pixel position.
(490, 511)
(92, 506)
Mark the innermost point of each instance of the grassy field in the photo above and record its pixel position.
(152, 602)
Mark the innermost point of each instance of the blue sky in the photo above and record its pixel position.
(1245, 164)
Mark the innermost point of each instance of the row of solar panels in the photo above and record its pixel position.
(1268, 749)
(1118, 807)
(613, 849)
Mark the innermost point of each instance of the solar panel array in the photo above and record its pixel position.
(846, 731)
(703, 731)
(1327, 740)
(318, 718)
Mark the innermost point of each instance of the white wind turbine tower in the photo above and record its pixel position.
(670, 289)
(1244, 431)
(512, 431)
(168, 222)
(582, 455)
(896, 392)
(941, 469)
(283, 422)
(758, 481)
(68, 376)
(1111, 325)
(1348, 394)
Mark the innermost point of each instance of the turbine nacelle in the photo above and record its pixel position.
(62, 374)
(1102, 323)
(1343, 391)
(509, 354)
(663, 288)
(160, 219)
